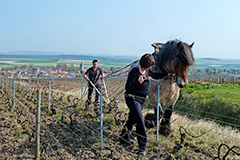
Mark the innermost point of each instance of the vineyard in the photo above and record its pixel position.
(220, 79)
(69, 130)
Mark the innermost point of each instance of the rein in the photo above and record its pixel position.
(108, 76)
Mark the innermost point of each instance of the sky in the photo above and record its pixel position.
(120, 28)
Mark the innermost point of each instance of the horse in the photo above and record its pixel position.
(170, 73)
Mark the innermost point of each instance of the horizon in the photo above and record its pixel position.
(120, 28)
(12, 53)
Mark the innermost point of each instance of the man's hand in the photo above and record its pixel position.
(140, 79)
(102, 76)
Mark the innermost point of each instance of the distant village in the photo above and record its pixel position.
(70, 71)
(61, 70)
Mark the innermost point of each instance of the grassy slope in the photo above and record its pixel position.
(220, 102)
(209, 91)
(207, 144)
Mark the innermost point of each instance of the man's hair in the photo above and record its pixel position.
(147, 60)
(94, 61)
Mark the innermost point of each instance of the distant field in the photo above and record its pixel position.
(218, 63)
(106, 62)
(6, 62)
(35, 61)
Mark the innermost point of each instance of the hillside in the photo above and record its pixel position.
(71, 131)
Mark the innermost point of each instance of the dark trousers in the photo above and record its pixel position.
(90, 91)
(135, 117)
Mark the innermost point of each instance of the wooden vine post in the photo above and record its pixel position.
(49, 96)
(82, 92)
(37, 155)
(14, 83)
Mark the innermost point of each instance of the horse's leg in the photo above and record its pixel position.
(161, 112)
(152, 95)
(165, 127)
(151, 119)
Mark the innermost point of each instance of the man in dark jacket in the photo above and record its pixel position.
(135, 95)
(93, 75)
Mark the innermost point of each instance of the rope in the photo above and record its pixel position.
(121, 69)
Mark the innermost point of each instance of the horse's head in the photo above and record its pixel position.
(181, 62)
(174, 57)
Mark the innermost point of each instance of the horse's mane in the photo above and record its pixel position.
(169, 52)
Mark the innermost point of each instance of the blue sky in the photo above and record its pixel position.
(120, 28)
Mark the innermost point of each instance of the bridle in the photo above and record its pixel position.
(174, 76)
(175, 62)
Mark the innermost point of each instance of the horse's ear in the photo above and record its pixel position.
(191, 45)
(179, 45)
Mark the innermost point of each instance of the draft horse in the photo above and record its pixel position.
(173, 57)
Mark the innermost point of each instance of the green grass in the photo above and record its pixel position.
(92, 141)
(220, 102)
(228, 92)
(43, 106)
(69, 134)
(59, 115)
